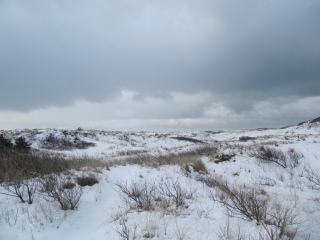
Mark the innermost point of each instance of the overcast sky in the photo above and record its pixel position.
(159, 65)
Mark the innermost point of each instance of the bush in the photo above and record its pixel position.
(87, 180)
(64, 142)
(245, 138)
(55, 187)
(22, 144)
(149, 195)
(223, 158)
(5, 143)
(250, 204)
(272, 155)
(138, 195)
(241, 201)
(173, 193)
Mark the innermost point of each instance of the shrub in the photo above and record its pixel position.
(223, 158)
(313, 176)
(148, 195)
(272, 155)
(174, 193)
(281, 223)
(241, 201)
(138, 195)
(22, 144)
(87, 180)
(245, 138)
(19, 187)
(54, 186)
(5, 143)
(65, 142)
(248, 203)
(68, 185)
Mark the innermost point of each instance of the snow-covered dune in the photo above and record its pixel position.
(289, 194)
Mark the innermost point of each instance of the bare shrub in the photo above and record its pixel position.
(241, 201)
(9, 215)
(281, 223)
(268, 155)
(272, 155)
(54, 186)
(125, 231)
(251, 204)
(172, 191)
(209, 180)
(312, 175)
(89, 180)
(293, 157)
(147, 195)
(17, 179)
(138, 195)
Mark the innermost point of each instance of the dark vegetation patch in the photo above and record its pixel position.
(20, 144)
(188, 139)
(245, 138)
(64, 142)
(213, 132)
(87, 180)
(223, 158)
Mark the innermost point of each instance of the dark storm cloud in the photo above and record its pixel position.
(56, 52)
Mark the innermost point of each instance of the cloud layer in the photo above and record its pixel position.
(158, 64)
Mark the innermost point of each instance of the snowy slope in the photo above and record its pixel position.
(103, 215)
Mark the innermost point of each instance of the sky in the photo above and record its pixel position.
(159, 65)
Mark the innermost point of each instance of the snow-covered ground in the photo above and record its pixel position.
(103, 212)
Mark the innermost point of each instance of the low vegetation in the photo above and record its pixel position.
(266, 154)
(150, 195)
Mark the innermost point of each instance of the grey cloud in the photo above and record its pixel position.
(55, 52)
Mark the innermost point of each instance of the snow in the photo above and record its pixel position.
(101, 208)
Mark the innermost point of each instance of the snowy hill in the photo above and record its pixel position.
(244, 184)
